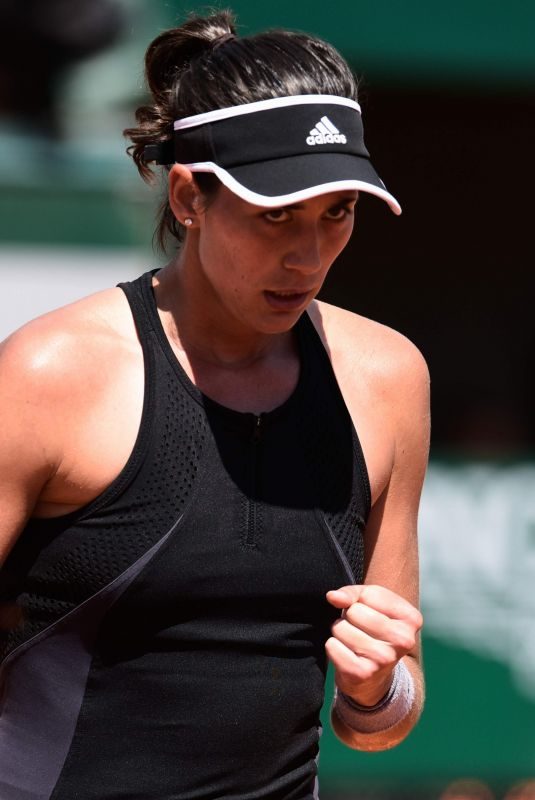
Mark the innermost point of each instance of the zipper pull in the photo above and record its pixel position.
(257, 430)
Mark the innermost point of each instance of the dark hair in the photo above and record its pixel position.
(202, 65)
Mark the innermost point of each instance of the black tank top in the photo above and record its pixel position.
(170, 639)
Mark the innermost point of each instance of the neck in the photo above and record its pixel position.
(239, 368)
(199, 327)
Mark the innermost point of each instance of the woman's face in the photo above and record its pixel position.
(264, 266)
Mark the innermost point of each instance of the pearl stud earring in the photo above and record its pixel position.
(188, 221)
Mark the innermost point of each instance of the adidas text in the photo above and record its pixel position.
(325, 133)
(326, 138)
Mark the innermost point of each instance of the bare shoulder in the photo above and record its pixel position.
(55, 368)
(68, 343)
(358, 346)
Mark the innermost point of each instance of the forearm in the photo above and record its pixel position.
(387, 724)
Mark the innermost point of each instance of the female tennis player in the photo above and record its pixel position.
(209, 480)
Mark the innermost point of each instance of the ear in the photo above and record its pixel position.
(184, 196)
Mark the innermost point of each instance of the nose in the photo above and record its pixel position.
(305, 253)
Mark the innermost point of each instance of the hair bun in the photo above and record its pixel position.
(170, 53)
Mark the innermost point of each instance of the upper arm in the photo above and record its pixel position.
(27, 460)
(391, 546)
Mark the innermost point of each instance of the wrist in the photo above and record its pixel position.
(394, 706)
(371, 692)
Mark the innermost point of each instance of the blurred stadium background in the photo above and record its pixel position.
(448, 94)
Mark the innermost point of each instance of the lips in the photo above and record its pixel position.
(286, 299)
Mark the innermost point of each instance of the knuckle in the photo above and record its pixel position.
(404, 640)
(407, 644)
(384, 657)
(352, 613)
(369, 591)
(414, 618)
(418, 619)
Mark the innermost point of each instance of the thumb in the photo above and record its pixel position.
(344, 597)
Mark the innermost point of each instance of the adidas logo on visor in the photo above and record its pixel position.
(325, 133)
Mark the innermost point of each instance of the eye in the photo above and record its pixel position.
(339, 212)
(277, 215)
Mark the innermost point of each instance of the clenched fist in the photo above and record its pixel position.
(376, 629)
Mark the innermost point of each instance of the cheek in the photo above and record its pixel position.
(226, 266)
(340, 241)
(216, 252)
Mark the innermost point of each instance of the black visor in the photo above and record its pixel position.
(281, 151)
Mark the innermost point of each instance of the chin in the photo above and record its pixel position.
(281, 323)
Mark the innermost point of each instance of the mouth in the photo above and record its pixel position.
(286, 300)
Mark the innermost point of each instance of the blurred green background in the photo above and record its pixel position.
(448, 96)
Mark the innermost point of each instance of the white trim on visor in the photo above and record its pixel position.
(294, 197)
(264, 105)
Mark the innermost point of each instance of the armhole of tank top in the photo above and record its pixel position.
(310, 338)
(137, 455)
(144, 330)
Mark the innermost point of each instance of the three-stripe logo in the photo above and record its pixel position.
(325, 133)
